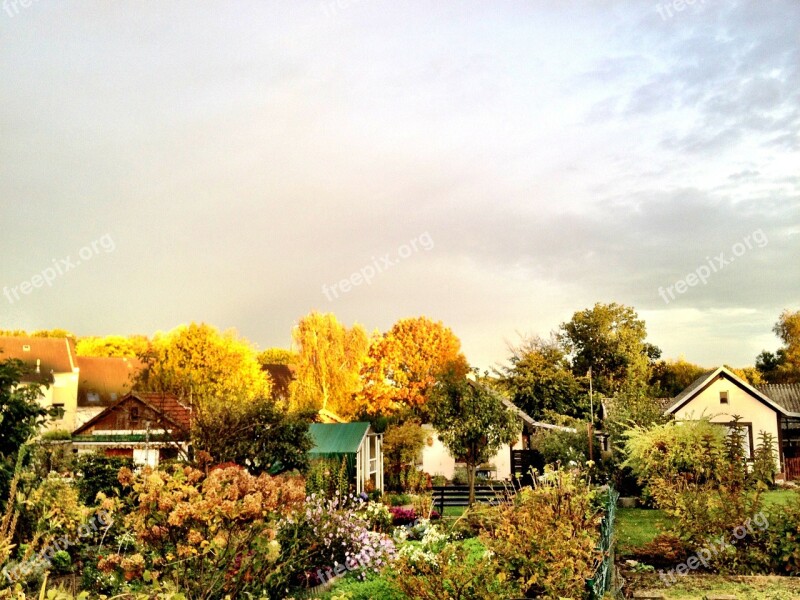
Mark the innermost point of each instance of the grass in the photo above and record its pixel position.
(638, 526)
(744, 588)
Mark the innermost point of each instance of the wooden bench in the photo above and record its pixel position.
(458, 495)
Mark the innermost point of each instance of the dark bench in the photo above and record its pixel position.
(458, 495)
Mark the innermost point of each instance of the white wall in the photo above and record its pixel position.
(436, 460)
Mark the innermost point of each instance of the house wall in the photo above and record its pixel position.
(436, 459)
(64, 391)
(741, 403)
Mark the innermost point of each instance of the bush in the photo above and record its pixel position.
(97, 473)
(328, 477)
(211, 534)
(546, 540)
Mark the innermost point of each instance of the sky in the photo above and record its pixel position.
(497, 166)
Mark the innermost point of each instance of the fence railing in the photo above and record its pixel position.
(603, 576)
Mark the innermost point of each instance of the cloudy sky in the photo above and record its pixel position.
(497, 166)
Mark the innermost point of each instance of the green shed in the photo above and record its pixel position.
(358, 443)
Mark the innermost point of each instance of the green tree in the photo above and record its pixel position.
(471, 420)
(783, 366)
(21, 415)
(263, 439)
(669, 378)
(330, 358)
(539, 380)
(609, 338)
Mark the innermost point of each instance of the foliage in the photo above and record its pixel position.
(328, 477)
(783, 366)
(563, 447)
(403, 364)
(458, 571)
(112, 346)
(96, 473)
(696, 474)
(546, 539)
(539, 379)
(402, 445)
(217, 371)
(471, 420)
(21, 415)
(371, 587)
(277, 356)
(262, 436)
(609, 338)
(670, 377)
(764, 459)
(211, 535)
(330, 358)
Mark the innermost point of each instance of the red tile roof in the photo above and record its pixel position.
(54, 354)
(102, 381)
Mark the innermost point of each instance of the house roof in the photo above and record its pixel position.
(108, 378)
(705, 380)
(55, 355)
(530, 420)
(785, 394)
(168, 405)
(337, 438)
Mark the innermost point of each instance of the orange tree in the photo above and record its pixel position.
(402, 366)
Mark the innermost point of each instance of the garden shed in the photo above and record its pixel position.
(355, 442)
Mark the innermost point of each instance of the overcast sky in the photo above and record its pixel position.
(514, 161)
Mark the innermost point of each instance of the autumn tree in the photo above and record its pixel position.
(783, 366)
(277, 356)
(329, 361)
(217, 373)
(539, 380)
(471, 420)
(112, 346)
(403, 364)
(609, 338)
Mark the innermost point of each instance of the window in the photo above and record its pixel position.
(723, 397)
(134, 415)
(747, 437)
(58, 411)
(93, 397)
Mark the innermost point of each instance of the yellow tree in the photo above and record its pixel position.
(204, 366)
(112, 346)
(403, 364)
(328, 364)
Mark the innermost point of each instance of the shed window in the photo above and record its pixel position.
(723, 397)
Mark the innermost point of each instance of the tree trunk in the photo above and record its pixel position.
(471, 478)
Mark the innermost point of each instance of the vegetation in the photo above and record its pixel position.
(783, 366)
(402, 366)
(471, 420)
(330, 358)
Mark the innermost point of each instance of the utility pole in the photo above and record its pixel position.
(591, 413)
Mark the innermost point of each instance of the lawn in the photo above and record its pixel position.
(637, 526)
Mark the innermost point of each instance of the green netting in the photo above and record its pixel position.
(603, 577)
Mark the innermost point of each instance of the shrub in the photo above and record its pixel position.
(764, 457)
(455, 570)
(546, 539)
(97, 473)
(328, 477)
(210, 534)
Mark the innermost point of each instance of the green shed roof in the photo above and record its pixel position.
(337, 438)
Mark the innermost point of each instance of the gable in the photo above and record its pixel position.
(137, 412)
